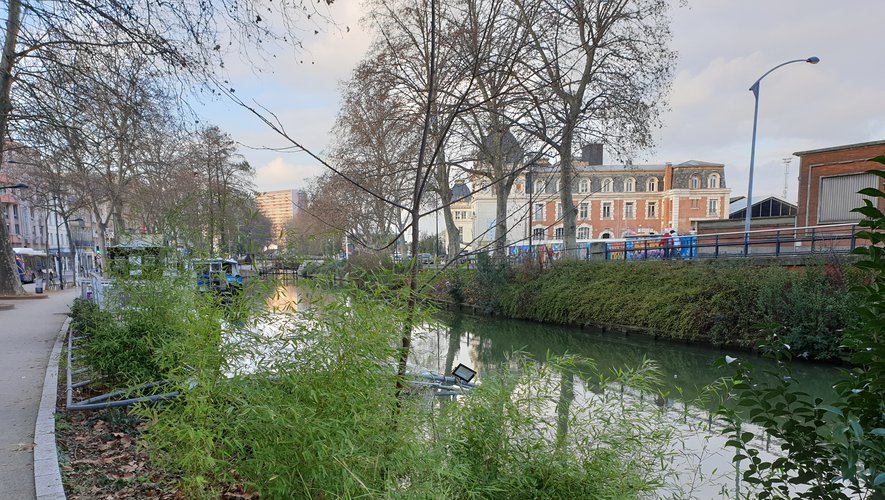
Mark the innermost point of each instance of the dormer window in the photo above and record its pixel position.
(695, 182)
(652, 184)
(630, 185)
(713, 181)
(584, 186)
(607, 186)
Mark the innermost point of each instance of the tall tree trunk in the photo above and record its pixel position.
(502, 193)
(453, 245)
(73, 248)
(569, 218)
(10, 284)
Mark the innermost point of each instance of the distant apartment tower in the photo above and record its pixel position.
(280, 207)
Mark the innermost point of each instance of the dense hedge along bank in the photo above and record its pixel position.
(728, 304)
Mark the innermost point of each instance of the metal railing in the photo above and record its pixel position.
(780, 242)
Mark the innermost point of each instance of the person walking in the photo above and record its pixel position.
(677, 244)
(665, 244)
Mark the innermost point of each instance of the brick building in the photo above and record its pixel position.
(829, 179)
(611, 201)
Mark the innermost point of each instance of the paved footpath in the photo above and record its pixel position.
(27, 335)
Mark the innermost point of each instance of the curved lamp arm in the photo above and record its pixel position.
(755, 87)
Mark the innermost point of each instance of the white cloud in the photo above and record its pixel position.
(277, 175)
(723, 46)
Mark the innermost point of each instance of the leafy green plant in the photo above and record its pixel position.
(305, 406)
(141, 337)
(830, 450)
(86, 317)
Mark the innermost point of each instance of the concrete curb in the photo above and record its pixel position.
(47, 475)
(27, 296)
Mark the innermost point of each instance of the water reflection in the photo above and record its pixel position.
(486, 343)
(283, 299)
(702, 463)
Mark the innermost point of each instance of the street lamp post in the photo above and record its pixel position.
(755, 89)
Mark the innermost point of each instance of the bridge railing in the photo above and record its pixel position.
(792, 241)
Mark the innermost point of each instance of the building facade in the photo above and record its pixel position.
(25, 223)
(280, 207)
(829, 179)
(463, 213)
(611, 201)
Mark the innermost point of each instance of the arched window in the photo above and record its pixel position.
(605, 235)
(558, 233)
(695, 182)
(713, 181)
(583, 233)
(607, 185)
(652, 184)
(630, 185)
(585, 186)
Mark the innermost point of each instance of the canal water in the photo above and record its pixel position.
(701, 462)
(702, 465)
(484, 343)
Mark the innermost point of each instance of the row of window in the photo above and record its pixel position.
(651, 209)
(463, 214)
(540, 233)
(713, 182)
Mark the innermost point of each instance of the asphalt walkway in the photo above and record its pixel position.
(27, 334)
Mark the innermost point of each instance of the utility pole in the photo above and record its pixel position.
(787, 160)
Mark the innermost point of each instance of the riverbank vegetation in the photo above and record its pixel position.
(723, 304)
(306, 405)
(830, 451)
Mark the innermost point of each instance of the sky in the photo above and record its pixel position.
(723, 47)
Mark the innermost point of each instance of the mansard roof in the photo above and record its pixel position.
(653, 167)
(699, 163)
(460, 192)
(513, 152)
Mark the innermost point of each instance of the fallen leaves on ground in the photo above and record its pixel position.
(100, 457)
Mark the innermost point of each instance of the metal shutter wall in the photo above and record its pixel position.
(838, 196)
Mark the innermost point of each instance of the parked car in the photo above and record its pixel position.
(425, 258)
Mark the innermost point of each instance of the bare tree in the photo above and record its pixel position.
(375, 144)
(187, 41)
(498, 100)
(600, 73)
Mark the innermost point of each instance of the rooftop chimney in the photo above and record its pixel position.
(591, 154)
